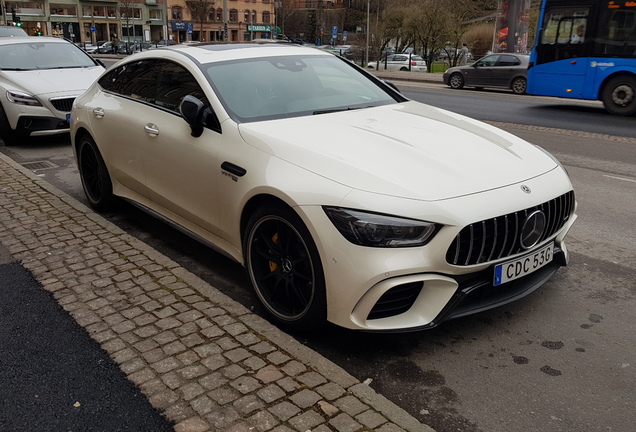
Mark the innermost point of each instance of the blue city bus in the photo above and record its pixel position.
(586, 49)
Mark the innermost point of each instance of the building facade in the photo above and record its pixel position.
(89, 22)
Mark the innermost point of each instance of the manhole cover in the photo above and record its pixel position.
(39, 165)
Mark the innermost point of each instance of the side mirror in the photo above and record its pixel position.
(390, 84)
(192, 110)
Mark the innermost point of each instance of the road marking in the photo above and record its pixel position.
(619, 178)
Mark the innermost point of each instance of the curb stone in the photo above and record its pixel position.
(207, 362)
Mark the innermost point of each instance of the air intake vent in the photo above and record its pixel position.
(397, 300)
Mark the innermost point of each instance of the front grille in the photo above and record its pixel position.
(499, 237)
(397, 300)
(63, 105)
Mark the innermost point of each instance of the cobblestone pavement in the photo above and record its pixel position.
(207, 362)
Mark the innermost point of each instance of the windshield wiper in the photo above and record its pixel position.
(333, 110)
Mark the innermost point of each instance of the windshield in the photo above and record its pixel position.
(42, 55)
(291, 86)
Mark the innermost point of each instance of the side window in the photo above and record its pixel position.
(488, 61)
(173, 83)
(135, 80)
(508, 60)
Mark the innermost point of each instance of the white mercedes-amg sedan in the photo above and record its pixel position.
(345, 201)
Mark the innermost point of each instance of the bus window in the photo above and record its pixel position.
(617, 34)
(564, 25)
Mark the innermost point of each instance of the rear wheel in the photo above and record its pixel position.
(456, 81)
(519, 85)
(94, 174)
(283, 263)
(619, 95)
(9, 136)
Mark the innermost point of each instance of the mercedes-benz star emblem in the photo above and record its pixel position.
(526, 189)
(532, 229)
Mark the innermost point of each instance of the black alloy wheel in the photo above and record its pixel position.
(98, 187)
(285, 269)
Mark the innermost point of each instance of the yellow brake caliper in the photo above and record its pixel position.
(272, 265)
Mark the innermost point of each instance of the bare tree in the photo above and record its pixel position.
(200, 10)
(126, 12)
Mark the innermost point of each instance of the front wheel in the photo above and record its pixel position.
(9, 136)
(456, 81)
(619, 95)
(519, 85)
(98, 187)
(285, 269)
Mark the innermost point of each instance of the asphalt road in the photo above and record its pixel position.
(53, 376)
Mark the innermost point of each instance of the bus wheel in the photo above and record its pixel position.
(456, 81)
(619, 95)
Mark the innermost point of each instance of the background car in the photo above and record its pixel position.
(12, 31)
(496, 70)
(316, 177)
(108, 47)
(40, 77)
(400, 62)
(164, 42)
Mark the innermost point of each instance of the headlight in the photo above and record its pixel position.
(22, 98)
(380, 230)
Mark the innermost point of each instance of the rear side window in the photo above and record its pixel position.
(508, 60)
(135, 80)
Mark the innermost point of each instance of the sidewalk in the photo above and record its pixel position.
(205, 361)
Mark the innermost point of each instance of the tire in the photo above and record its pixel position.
(619, 95)
(456, 81)
(285, 269)
(98, 187)
(403, 68)
(519, 85)
(9, 136)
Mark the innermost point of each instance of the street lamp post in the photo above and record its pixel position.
(225, 19)
(366, 57)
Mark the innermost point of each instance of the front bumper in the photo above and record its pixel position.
(41, 126)
(406, 289)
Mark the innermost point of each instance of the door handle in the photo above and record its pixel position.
(151, 129)
(98, 112)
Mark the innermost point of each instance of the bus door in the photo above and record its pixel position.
(561, 56)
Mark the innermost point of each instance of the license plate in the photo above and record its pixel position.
(523, 266)
(68, 117)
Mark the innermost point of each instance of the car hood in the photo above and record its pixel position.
(409, 150)
(49, 82)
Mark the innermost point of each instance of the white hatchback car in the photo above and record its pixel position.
(400, 62)
(344, 200)
(40, 77)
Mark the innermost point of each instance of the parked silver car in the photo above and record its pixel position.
(496, 70)
(400, 62)
(40, 77)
